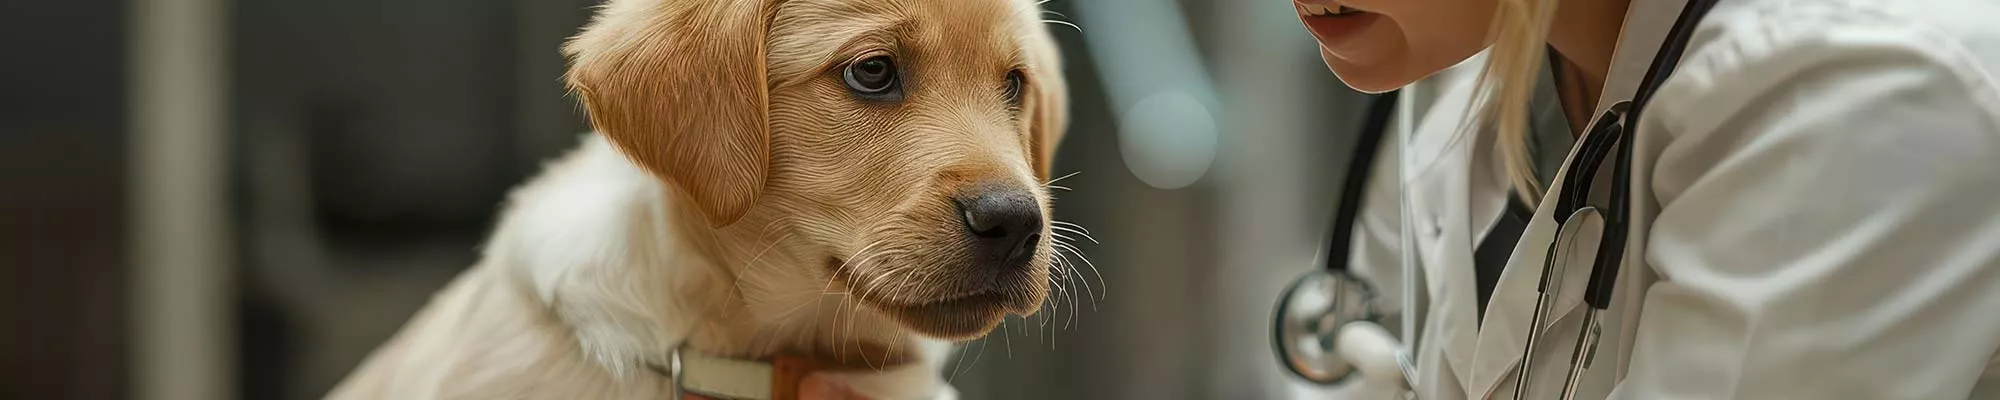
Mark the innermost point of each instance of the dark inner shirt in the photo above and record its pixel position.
(1549, 141)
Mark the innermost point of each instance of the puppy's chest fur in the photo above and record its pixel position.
(591, 281)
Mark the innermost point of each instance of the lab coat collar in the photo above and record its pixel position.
(1504, 331)
(1438, 170)
(1458, 308)
(1455, 107)
(1647, 23)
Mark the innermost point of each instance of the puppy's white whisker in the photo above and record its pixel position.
(1065, 176)
(975, 356)
(782, 315)
(830, 277)
(958, 364)
(863, 351)
(1049, 331)
(863, 261)
(908, 287)
(833, 276)
(920, 279)
(1074, 307)
(1053, 303)
(1086, 284)
(1078, 232)
(1007, 336)
(895, 290)
(889, 353)
(1049, 305)
(761, 233)
(1052, 336)
(852, 312)
(1060, 235)
(1071, 224)
(1086, 261)
(750, 267)
(867, 285)
(851, 257)
(1078, 274)
(1071, 296)
(832, 333)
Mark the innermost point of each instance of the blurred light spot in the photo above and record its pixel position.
(1153, 75)
(1168, 139)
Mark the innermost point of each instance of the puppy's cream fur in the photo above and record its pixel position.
(738, 200)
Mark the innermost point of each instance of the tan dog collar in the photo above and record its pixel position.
(699, 375)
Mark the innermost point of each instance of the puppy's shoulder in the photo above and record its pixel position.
(482, 338)
(585, 175)
(533, 318)
(591, 207)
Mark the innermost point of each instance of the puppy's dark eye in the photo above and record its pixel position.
(872, 78)
(1014, 87)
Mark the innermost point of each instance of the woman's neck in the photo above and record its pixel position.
(1584, 36)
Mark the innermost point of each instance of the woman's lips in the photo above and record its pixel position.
(1321, 7)
(1336, 29)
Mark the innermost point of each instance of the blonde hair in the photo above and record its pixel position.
(1507, 85)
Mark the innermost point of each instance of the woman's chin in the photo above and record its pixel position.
(1376, 76)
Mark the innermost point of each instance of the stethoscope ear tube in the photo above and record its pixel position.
(1597, 293)
(1373, 129)
(1575, 192)
(1314, 311)
(1611, 246)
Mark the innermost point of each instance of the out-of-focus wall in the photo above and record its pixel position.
(375, 140)
(62, 191)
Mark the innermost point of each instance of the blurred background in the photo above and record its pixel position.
(210, 199)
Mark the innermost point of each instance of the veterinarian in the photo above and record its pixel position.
(1651, 199)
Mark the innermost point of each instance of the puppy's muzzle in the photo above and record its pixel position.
(1005, 224)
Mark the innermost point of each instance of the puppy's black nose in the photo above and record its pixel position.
(1004, 221)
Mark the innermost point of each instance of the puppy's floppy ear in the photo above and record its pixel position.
(679, 87)
(1049, 103)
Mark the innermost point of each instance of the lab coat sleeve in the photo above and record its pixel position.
(1829, 221)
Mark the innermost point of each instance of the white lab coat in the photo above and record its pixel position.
(1816, 216)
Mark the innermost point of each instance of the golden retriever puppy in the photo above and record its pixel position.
(856, 182)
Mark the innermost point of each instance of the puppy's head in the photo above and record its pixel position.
(903, 146)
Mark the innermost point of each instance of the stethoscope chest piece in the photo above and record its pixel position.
(1309, 319)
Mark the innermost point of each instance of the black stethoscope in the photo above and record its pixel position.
(1326, 327)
